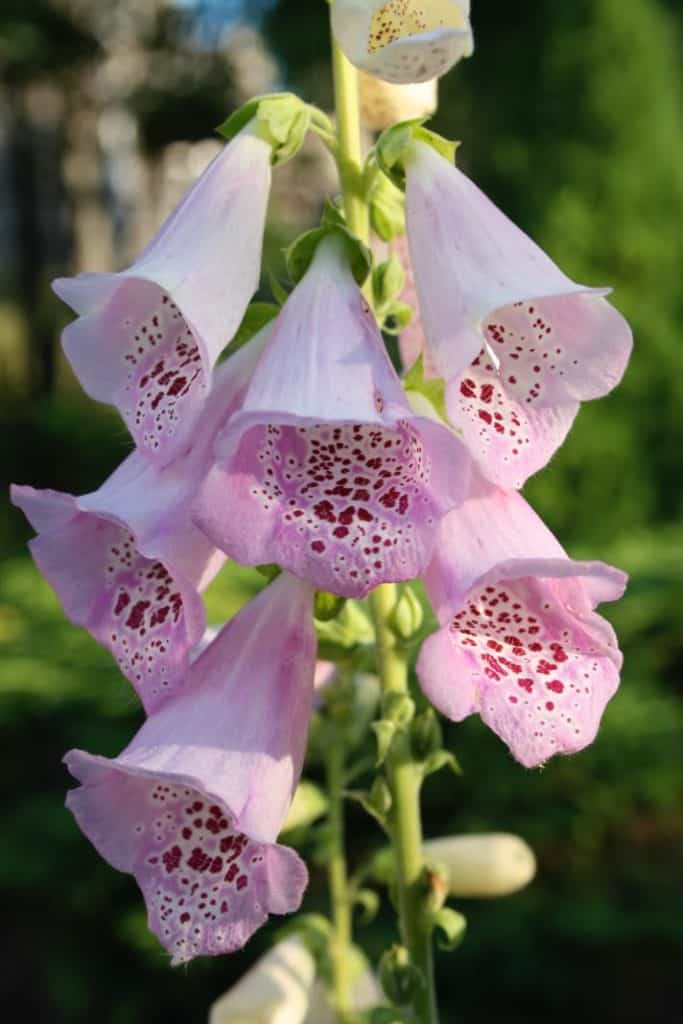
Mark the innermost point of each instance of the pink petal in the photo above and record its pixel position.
(326, 471)
(519, 342)
(145, 611)
(126, 561)
(526, 651)
(193, 806)
(147, 338)
(492, 527)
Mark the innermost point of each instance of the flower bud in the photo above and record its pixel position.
(408, 615)
(383, 104)
(485, 866)
(400, 979)
(309, 804)
(276, 990)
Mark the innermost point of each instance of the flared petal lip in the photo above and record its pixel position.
(105, 765)
(613, 580)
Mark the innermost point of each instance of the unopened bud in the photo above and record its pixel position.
(309, 804)
(383, 104)
(426, 734)
(400, 979)
(276, 990)
(485, 866)
(408, 615)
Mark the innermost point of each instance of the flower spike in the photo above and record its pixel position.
(147, 338)
(126, 561)
(325, 470)
(403, 40)
(519, 343)
(520, 642)
(193, 806)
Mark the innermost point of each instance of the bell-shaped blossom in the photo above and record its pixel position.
(127, 562)
(147, 338)
(403, 40)
(519, 343)
(276, 990)
(520, 643)
(325, 470)
(193, 806)
(383, 103)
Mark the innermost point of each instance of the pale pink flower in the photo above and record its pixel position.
(147, 338)
(325, 470)
(519, 344)
(193, 806)
(520, 643)
(127, 562)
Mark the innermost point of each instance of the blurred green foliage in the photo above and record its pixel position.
(570, 119)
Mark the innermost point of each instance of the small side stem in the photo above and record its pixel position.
(405, 780)
(339, 883)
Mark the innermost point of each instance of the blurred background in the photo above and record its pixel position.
(570, 116)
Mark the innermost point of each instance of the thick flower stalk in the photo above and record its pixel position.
(194, 805)
(519, 344)
(147, 338)
(325, 470)
(403, 40)
(127, 562)
(520, 642)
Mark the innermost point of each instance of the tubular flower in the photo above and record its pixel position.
(193, 806)
(146, 339)
(520, 642)
(127, 562)
(325, 470)
(519, 343)
(403, 40)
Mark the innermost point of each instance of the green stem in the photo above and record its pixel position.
(404, 774)
(405, 780)
(349, 153)
(338, 883)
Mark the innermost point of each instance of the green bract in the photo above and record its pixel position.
(281, 119)
(301, 252)
(395, 144)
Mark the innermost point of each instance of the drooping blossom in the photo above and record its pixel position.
(403, 40)
(127, 562)
(383, 103)
(193, 806)
(147, 338)
(325, 470)
(519, 343)
(276, 990)
(520, 643)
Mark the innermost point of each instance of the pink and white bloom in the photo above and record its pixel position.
(127, 562)
(403, 40)
(193, 806)
(147, 338)
(520, 643)
(519, 343)
(325, 470)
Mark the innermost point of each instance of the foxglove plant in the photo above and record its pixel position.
(306, 455)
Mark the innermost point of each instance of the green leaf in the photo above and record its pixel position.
(388, 281)
(257, 316)
(452, 925)
(395, 145)
(397, 317)
(434, 389)
(441, 759)
(384, 734)
(369, 902)
(277, 290)
(300, 254)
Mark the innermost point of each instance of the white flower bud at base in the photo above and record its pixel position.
(277, 989)
(484, 866)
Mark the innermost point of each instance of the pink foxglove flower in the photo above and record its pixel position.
(325, 470)
(519, 343)
(126, 562)
(403, 40)
(193, 806)
(520, 643)
(147, 339)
